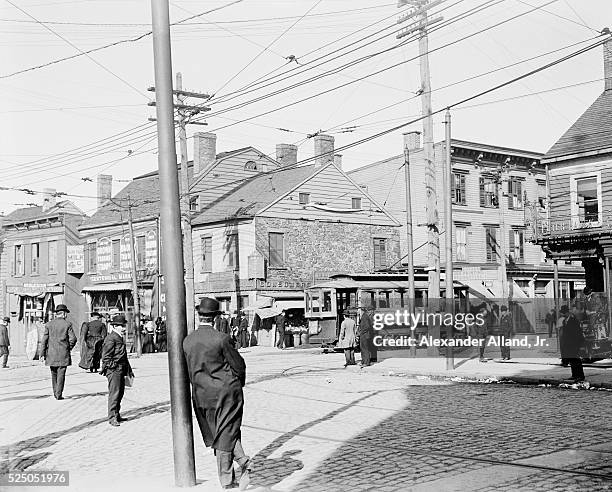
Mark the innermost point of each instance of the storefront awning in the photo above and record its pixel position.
(478, 289)
(107, 287)
(262, 302)
(290, 304)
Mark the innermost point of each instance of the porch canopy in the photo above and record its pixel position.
(107, 287)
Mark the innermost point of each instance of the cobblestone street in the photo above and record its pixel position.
(313, 426)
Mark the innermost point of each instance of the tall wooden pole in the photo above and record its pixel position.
(170, 215)
(448, 239)
(186, 212)
(135, 296)
(409, 241)
(502, 239)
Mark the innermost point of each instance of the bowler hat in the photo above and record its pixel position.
(96, 313)
(6, 319)
(61, 307)
(208, 305)
(119, 320)
(564, 309)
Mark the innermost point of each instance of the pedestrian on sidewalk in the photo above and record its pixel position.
(148, 344)
(482, 330)
(551, 321)
(57, 343)
(366, 333)
(348, 335)
(217, 373)
(4, 341)
(161, 337)
(222, 324)
(115, 366)
(571, 339)
(93, 334)
(506, 329)
(280, 329)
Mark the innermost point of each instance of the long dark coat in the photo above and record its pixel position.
(4, 337)
(222, 325)
(217, 373)
(366, 326)
(92, 337)
(114, 355)
(570, 338)
(57, 342)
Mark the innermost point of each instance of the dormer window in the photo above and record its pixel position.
(250, 166)
(194, 203)
(356, 203)
(304, 198)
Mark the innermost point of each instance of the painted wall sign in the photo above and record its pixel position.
(75, 258)
(104, 251)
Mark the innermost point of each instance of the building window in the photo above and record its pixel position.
(380, 253)
(515, 194)
(458, 189)
(356, 203)
(277, 249)
(35, 258)
(19, 260)
(250, 166)
(116, 254)
(52, 256)
(491, 242)
(517, 244)
(304, 198)
(586, 197)
(231, 251)
(141, 251)
(542, 198)
(206, 254)
(488, 192)
(92, 260)
(461, 243)
(193, 203)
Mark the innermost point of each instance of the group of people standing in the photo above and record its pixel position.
(154, 336)
(362, 336)
(237, 327)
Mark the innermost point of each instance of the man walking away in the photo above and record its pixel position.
(346, 340)
(93, 336)
(551, 321)
(4, 341)
(115, 366)
(570, 341)
(506, 329)
(57, 342)
(280, 328)
(217, 373)
(366, 332)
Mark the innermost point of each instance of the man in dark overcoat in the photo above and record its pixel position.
(506, 331)
(222, 324)
(55, 347)
(280, 329)
(217, 373)
(93, 334)
(366, 334)
(115, 366)
(4, 341)
(571, 339)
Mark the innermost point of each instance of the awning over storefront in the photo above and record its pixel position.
(107, 287)
(262, 302)
(478, 289)
(290, 304)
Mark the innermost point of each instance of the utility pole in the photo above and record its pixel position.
(170, 216)
(135, 296)
(502, 233)
(409, 242)
(185, 112)
(448, 239)
(431, 207)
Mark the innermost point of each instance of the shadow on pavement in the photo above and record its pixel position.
(25, 397)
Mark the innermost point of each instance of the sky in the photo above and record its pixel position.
(67, 122)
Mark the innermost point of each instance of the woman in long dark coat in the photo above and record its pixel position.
(148, 345)
(161, 336)
(92, 337)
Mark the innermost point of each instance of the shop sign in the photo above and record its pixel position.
(281, 285)
(474, 273)
(151, 250)
(104, 252)
(33, 290)
(111, 277)
(75, 258)
(126, 256)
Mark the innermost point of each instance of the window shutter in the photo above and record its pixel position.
(482, 191)
(519, 193)
(521, 245)
(453, 187)
(462, 187)
(489, 244)
(512, 245)
(511, 191)
(383, 253)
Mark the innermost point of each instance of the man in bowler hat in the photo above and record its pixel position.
(55, 347)
(217, 373)
(4, 341)
(366, 334)
(571, 339)
(115, 366)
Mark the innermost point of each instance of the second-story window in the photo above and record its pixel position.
(116, 254)
(515, 194)
(35, 266)
(461, 243)
(542, 198)
(458, 188)
(517, 253)
(231, 251)
(491, 244)
(19, 260)
(277, 249)
(488, 192)
(52, 256)
(193, 204)
(587, 199)
(380, 253)
(92, 260)
(141, 252)
(206, 254)
(356, 203)
(304, 198)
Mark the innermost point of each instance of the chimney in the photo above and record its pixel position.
(338, 160)
(412, 140)
(48, 199)
(105, 189)
(323, 149)
(286, 154)
(607, 49)
(204, 151)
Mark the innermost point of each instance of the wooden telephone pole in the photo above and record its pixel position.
(185, 112)
(135, 295)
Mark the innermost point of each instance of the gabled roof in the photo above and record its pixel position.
(34, 213)
(255, 194)
(590, 134)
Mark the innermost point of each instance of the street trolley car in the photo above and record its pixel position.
(383, 292)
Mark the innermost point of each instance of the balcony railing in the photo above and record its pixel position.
(570, 225)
